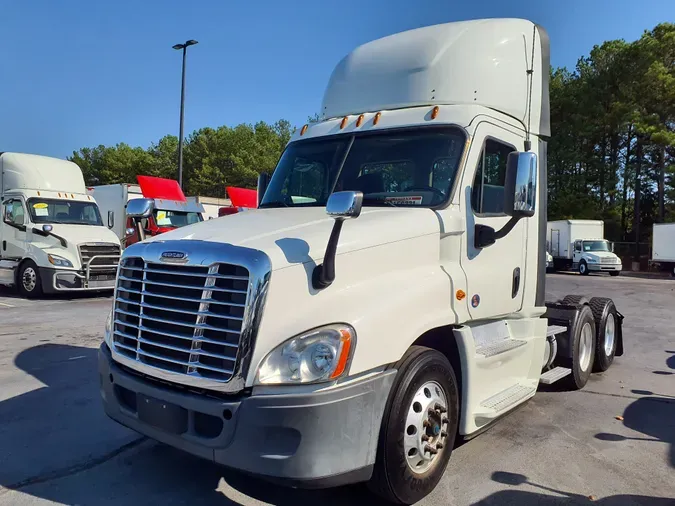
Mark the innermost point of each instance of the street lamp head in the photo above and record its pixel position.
(191, 42)
(178, 46)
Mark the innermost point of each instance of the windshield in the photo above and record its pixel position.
(175, 219)
(396, 168)
(596, 246)
(71, 212)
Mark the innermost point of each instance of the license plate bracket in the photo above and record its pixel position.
(162, 415)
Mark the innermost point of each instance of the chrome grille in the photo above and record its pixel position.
(101, 257)
(179, 318)
(607, 260)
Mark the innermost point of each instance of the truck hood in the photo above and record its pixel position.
(79, 234)
(299, 235)
(599, 255)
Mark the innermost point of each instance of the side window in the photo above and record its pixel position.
(14, 212)
(577, 245)
(487, 193)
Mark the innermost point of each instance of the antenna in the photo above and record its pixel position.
(530, 72)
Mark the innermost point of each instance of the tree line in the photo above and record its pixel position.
(610, 156)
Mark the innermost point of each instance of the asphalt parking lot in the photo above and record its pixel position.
(57, 446)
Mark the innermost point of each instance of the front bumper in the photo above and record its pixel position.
(604, 267)
(316, 439)
(55, 280)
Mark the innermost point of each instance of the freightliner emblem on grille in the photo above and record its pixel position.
(174, 256)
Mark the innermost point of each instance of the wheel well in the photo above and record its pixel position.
(443, 339)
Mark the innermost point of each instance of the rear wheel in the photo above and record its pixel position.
(418, 427)
(28, 281)
(583, 268)
(582, 347)
(575, 300)
(605, 315)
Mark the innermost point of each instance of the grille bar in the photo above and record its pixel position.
(99, 257)
(190, 325)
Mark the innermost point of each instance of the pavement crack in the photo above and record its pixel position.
(69, 471)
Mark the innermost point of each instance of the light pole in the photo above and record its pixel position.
(182, 107)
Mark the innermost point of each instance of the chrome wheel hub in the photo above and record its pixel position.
(29, 279)
(426, 427)
(585, 347)
(610, 327)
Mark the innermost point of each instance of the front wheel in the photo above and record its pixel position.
(583, 268)
(614, 273)
(29, 282)
(418, 427)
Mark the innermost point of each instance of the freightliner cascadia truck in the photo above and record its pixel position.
(385, 299)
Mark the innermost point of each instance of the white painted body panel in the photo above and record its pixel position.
(663, 242)
(562, 234)
(20, 171)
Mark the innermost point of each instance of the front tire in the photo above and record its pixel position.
(28, 281)
(583, 268)
(614, 273)
(418, 427)
(606, 317)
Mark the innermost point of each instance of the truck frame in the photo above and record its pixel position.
(386, 297)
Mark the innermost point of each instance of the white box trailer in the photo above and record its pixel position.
(580, 245)
(663, 246)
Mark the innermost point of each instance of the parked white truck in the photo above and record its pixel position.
(52, 236)
(663, 246)
(387, 294)
(580, 245)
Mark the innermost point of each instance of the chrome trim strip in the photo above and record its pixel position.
(207, 254)
(176, 285)
(176, 297)
(176, 310)
(174, 335)
(195, 274)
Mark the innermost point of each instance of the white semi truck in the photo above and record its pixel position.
(387, 295)
(580, 245)
(663, 246)
(52, 235)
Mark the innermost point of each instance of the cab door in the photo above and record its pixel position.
(14, 222)
(495, 274)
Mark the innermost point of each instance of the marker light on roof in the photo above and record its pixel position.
(434, 112)
(343, 123)
(377, 118)
(304, 129)
(359, 121)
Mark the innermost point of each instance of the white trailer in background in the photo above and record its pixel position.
(580, 245)
(663, 246)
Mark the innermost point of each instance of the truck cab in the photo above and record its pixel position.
(386, 295)
(52, 235)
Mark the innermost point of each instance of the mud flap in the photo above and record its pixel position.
(619, 329)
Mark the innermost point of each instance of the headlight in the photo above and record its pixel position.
(107, 333)
(59, 261)
(592, 260)
(318, 355)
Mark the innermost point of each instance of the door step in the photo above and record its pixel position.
(552, 330)
(495, 348)
(554, 375)
(507, 398)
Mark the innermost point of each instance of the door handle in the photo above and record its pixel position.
(516, 282)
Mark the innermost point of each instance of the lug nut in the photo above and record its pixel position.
(425, 437)
(431, 450)
(440, 408)
(439, 446)
(445, 420)
(444, 434)
(426, 424)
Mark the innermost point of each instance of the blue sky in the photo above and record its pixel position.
(82, 73)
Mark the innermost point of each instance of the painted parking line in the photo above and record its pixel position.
(6, 305)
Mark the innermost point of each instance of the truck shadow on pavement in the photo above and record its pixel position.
(526, 498)
(12, 293)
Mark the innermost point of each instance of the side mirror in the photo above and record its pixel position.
(47, 228)
(263, 182)
(520, 187)
(140, 208)
(341, 206)
(111, 219)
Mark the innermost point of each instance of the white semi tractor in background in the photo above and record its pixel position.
(52, 235)
(580, 245)
(388, 293)
(663, 246)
